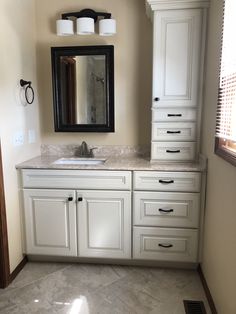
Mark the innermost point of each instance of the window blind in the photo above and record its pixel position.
(226, 107)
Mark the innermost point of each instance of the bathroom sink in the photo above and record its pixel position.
(79, 161)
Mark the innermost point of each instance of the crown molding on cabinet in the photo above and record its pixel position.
(153, 5)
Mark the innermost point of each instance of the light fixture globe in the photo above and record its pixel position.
(85, 26)
(64, 27)
(107, 27)
(85, 21)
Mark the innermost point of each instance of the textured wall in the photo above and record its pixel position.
(219, 256)
(18, 60)
(133, 68)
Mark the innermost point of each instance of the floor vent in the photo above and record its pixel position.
(194, 307)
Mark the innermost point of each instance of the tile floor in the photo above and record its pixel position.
(88, 289)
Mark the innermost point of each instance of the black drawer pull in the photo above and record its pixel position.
(70, 199)
(173, 151)
(174, 115)
(166, 246)
(156, 99)
(80, 199)
(166, 210)
(166, 181)
(173, 132)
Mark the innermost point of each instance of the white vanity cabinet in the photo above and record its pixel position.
(179, 29)
(139, 215)
(64, 218)
(166, 216)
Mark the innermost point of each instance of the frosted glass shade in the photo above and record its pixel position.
(64, 27)
(107, 27)
(85, 26)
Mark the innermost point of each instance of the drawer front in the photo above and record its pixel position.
(174, 131)
(163, 244)
(167, 181)
(173, 115)
(77, 179)
(165, 209)
(173, 151)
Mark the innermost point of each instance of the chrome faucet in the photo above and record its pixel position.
(85, 151)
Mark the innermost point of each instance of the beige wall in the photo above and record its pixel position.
(133, 64)
(17, 37)
(219, 257)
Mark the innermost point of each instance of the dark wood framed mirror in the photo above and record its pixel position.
(83, 88)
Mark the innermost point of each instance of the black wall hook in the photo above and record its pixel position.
(28, 87)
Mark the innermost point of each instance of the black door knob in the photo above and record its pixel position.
(70, 199)
(156, 99)
(80, 199)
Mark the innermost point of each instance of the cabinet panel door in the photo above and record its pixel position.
(50, 222)
(104, 224)
(177, 46)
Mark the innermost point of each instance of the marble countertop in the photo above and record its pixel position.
(115, 163)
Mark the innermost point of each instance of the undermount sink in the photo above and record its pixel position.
(79, 161)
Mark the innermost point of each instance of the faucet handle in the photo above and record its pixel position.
(91, 151)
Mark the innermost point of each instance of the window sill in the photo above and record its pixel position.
(222, 151)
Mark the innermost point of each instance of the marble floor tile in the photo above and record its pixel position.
(34, 271)
(43, 288)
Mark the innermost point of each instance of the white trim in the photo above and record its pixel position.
(153, 5)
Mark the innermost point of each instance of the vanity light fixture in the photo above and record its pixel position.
(85, 21)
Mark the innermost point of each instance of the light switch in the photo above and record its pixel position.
(18, 138)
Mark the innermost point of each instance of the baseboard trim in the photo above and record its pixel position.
(207, 290)
(108, 261)
(18, 269)
(4, 254)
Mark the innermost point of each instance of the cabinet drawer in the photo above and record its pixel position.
(170, 151)
(77, 179)
(173, 115)
(179, 245)
(167, 181)
(174, 131)
(165, 209)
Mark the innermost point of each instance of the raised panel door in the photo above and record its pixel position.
(104, 224)
(50, 222)
(177, 47)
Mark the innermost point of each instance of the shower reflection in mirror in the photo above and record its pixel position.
(83, 92)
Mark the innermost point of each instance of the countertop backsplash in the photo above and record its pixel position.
(100, 151)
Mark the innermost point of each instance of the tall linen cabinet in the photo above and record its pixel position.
(179, 33)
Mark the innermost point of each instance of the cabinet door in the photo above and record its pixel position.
(104, 224)
(50, 222)
(177, 47)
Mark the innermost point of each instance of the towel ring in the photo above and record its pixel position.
(28, 87)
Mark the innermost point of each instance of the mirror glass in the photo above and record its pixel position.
(83, 88)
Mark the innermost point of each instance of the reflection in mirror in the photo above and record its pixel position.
(83, 88)
(83, 93)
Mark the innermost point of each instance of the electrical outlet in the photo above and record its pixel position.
(18, 138)
(31, 136)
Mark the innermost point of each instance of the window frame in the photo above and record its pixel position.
(224, 152)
